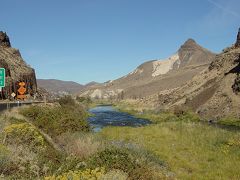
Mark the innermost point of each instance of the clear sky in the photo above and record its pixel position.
(99, 40)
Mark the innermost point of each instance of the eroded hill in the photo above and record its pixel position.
(156, 75)
(214, 93)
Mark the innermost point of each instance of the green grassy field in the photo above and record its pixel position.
(191, 150)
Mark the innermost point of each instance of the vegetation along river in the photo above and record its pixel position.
(108, 116)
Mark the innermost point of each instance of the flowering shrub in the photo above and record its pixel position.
(26, 134)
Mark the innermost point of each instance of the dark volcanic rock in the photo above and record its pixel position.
(4, 40)
(236, 85)
(237, 44)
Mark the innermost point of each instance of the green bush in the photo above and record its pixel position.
(69, 163)
(84, 99)
(113, 158)
(67, 101)
(57, 120)
(133, 164)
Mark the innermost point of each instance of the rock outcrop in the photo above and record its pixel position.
(237, 44)
(16, 69)
(4, 40)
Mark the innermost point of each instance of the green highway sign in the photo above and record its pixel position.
(2, 77)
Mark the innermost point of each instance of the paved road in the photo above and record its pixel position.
(9, 105)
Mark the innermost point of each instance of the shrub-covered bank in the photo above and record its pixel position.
(29, 137)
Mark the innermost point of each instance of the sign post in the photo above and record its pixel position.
(2, 78)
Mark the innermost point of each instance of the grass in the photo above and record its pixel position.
(230, 121)
(191, 150)
(179, 114)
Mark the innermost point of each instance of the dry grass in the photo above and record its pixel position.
(80, 145)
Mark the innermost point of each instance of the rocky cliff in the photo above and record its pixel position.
(237, 44)
(16, 69)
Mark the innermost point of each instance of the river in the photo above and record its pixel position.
(108, 116)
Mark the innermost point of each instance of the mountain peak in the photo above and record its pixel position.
(91, 83)
(190, 42)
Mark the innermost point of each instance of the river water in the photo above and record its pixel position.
(108, 116)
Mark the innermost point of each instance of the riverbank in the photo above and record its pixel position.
(158, 116)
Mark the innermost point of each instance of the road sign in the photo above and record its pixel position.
(2, 77)
(13, 94)
(21, 83)
(21, 91)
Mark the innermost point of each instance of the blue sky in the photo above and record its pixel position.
(99, 40)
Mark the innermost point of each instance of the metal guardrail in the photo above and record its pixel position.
(8, 105)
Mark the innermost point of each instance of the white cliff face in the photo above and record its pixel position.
(96, 93)
(163, 66)
(102, 93)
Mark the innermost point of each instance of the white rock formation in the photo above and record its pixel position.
(163, 66)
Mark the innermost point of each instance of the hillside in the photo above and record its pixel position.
(59, 87)
(155, 75)
(214, 93)
(16, 69)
